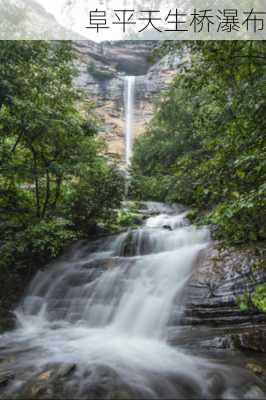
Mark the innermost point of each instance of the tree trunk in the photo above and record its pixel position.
(36, 181)
(48, 192)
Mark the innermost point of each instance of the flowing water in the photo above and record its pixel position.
(129, 115)
(106, 306)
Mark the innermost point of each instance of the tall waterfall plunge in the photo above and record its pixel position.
(129, 116)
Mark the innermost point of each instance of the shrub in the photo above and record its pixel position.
(258, 297)
(37, 244)
(102, 74)
(95, 198)
(241, 220)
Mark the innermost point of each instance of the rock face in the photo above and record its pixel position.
(220, 276)
(102, 70)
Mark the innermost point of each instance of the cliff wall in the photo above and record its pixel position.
(102, 70)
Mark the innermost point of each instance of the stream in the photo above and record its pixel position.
(95, 324)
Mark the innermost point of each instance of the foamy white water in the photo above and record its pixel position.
(109, 304)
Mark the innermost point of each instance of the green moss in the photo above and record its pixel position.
(259, 265)
(100, 73)
(125, 218)
(244, 301)
(258, 297)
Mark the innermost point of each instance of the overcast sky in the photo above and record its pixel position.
(75, 15)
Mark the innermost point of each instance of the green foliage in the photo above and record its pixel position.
(246, 212)
(37, 243)
(206, 144)
(258, 297)
(259, 265)
(52, 172)
(164, 48)
(132, 206)
(125, 218)
(192, 215)
(100, 73)
(150, 187)
(95, 197)
(244, 301)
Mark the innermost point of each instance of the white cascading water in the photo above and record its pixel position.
(109, 303)
(129, 115)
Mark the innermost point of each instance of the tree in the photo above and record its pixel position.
(46, 150)
(206, 145)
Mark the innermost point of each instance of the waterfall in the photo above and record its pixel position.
(106, 307)
(129, 116)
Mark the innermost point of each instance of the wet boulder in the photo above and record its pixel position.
(252, 340)
(167, 227)
(56, 381)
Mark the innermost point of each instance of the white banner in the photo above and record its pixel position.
(100, 20)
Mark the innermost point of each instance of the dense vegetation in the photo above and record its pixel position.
(205, 148)
(55, 184)
(206, 145)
